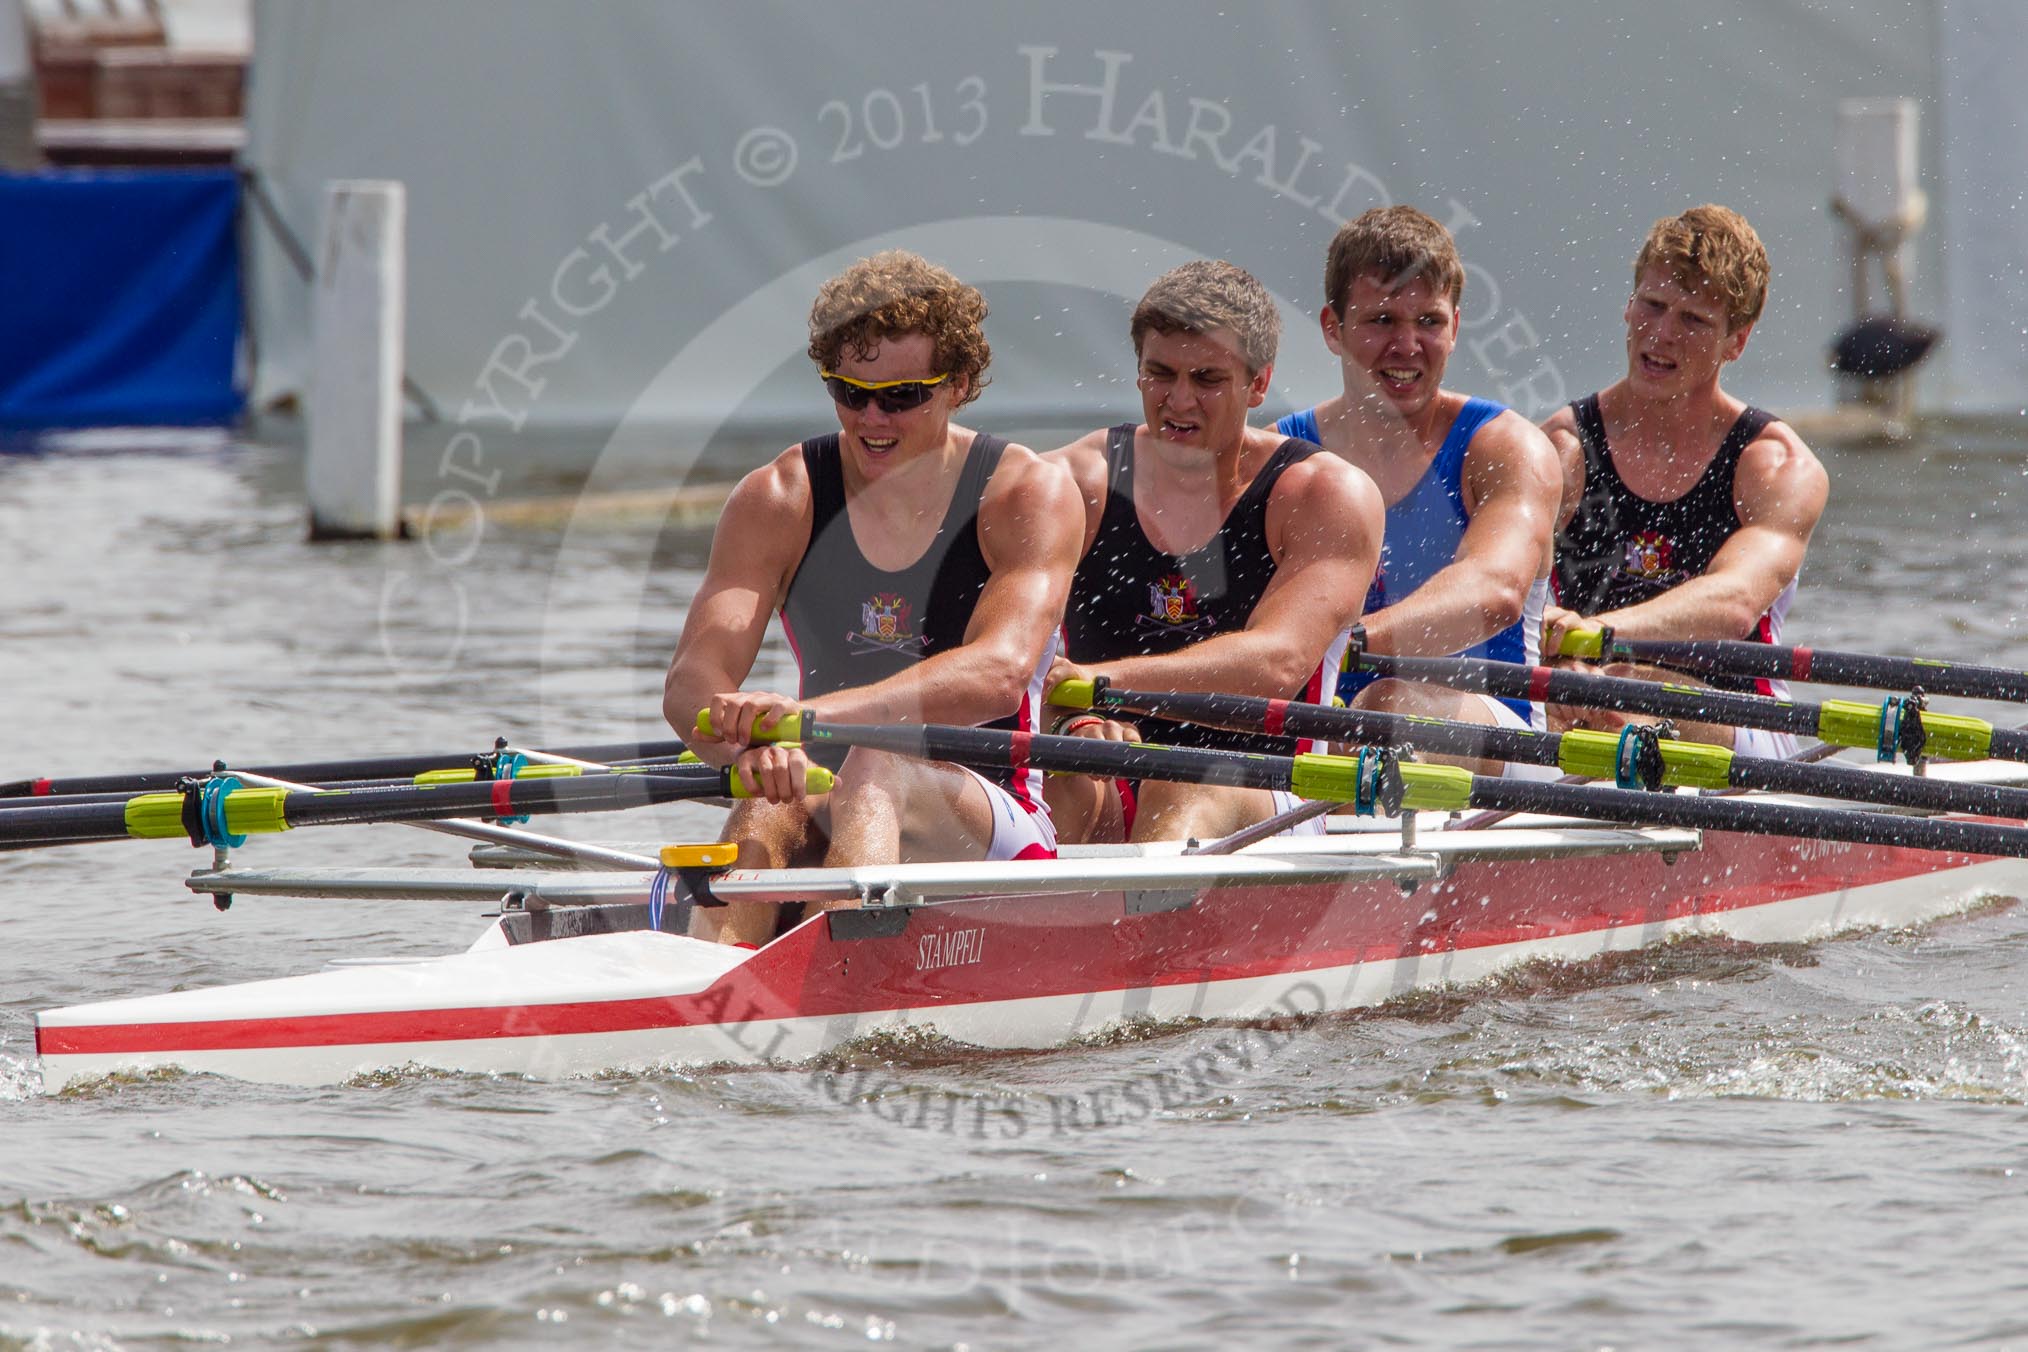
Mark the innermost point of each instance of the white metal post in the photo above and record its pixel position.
(359, 306)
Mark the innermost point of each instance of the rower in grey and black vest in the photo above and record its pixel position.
(851, 624)
(1621, 549)
(1130, 599)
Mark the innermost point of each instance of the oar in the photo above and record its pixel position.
(1734, 657)
(1652, 762)
(1375, 779)
(225, 815)
(1894, 724)
(374, 767)
(463, 775)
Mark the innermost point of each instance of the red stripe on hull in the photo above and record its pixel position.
(1063, 945)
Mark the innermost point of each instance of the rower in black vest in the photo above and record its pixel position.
(918, 570)
(850, 623)
(1218, 556)
(1130, 599)
(1621, 549)
(1686, 512)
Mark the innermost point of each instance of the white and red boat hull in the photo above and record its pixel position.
(1312, 926)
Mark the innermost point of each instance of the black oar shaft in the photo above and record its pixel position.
(313, 772)
(1072, 755)
(984, 747)
(1735, 657)
(84, 823)
(1761, 818)
(8, 805)
(1623, 694)
(1949, 736)
(1528, 747)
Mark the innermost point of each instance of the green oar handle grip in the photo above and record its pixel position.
(1596, 755)
(1077, 694)
(1588, 643)
(1425, 788)
(1949, 736)
(816, 780)
(787, 728)
(159, 816)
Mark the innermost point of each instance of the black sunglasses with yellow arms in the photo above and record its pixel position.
(893, 396)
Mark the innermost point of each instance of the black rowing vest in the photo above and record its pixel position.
(1621, 549)
(1130, 599)
(851, 624)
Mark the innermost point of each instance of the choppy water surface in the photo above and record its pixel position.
(1708, 1146)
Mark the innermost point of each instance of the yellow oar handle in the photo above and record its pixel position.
(816, 780)
(1425, 788)
(467, 775)
(1073, 694)
(159, 816)
(1950, 736)
(787, 728)
(1596, 755)
(1581, 643)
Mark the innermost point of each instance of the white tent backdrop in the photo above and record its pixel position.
(1985, 186)
(592, 188)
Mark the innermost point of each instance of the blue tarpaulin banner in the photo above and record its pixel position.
(121, 298)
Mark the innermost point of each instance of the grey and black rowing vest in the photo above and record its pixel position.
(851, 624)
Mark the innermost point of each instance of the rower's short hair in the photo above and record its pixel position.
(1711, 246)
(1206, 295)
(1401, 244)
(894, 294)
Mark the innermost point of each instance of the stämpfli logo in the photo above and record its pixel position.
(884, 627)
(1172, 605)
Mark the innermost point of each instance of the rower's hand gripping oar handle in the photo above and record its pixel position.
(786, 728)
(1079, 694)
(1585, 643)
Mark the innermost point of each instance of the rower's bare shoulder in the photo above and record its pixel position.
(1325, 483)
(1511, 438)
(1780, 453)
(1085, 461)
(771, 498)
(1778, 473)
(1560, 424)
(1027, 486)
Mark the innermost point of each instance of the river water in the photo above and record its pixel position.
(1707, 1146)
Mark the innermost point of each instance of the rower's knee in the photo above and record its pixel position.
(866, 769)
(1389, 695)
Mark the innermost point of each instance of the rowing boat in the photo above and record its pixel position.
(582, 971)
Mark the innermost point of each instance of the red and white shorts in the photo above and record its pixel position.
(1019, 831)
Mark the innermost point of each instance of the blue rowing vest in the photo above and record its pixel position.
(1422, 536)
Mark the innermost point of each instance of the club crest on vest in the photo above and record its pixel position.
(1650, 554)
(1172, 604)
(884, 626)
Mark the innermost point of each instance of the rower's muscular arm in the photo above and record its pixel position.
(1085, 459)
(1512, 483)
(1323, 524)
(1779, 491)
(1561, 429)
(1030, 532)
(760, 538)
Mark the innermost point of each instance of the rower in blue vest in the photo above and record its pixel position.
(1471, 487)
